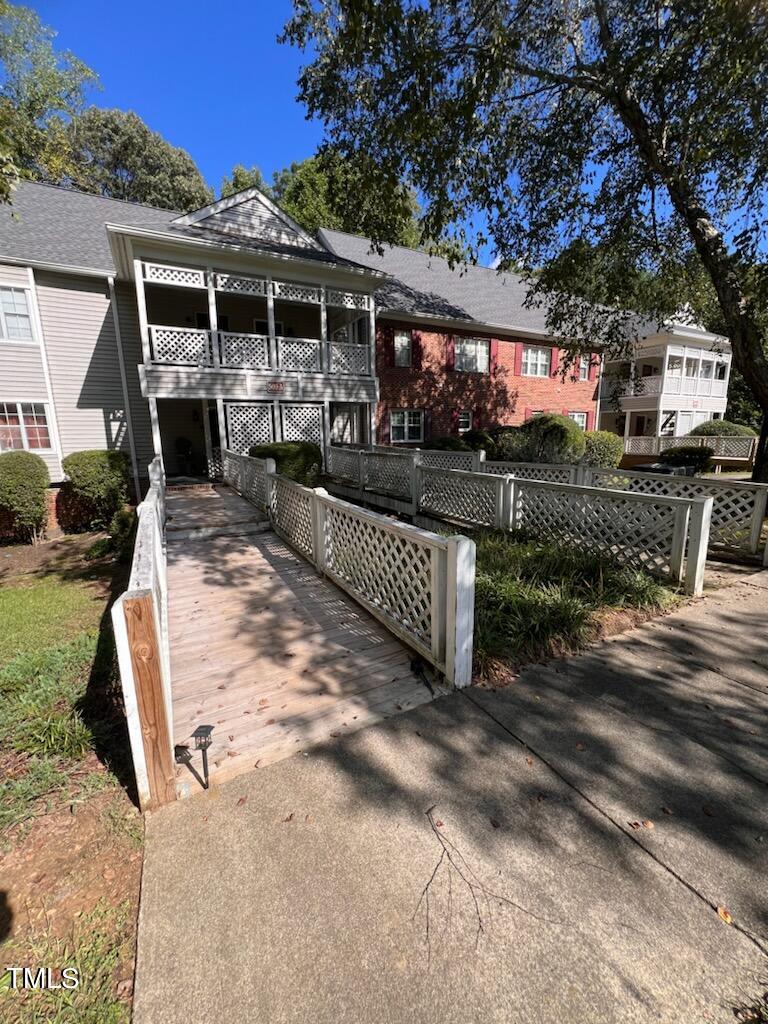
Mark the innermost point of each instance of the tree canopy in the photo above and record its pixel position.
(636, 129)
(242, 178)
(115, 154)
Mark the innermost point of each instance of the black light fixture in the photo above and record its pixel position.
(203, 739)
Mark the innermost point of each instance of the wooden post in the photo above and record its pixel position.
(758, 515)
(460, 611)
(698, 542)
(147, 669)
(318, 527)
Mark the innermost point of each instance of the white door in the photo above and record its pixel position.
(684, 423)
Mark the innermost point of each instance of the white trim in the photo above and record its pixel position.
(38, 322)
(245, 196)
(27, 289)
(124, 382)
(18, 402)
(61, 268)
(407, 440)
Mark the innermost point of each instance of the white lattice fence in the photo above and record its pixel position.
(166, 273)
(738, 508)
(344, 463)
(181, 345)
(636, 530)
(241, 285)
(299, 354)
(247, 350)
(348, 300)
(435, 459)
(249, 477)
(248, 424)
(476, 498)
(533, 471)
(294, 291)
(390, 472)
(290, 510)
(303, 423)
(349, 358)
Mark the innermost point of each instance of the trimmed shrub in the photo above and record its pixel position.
(301, 461)
(96, 488)
(512, 445)
(688, 455)
(447, 444)
(603, 448)
(553, 438)
(122, 533)
(24, 480)
(477, 439)
(722, 428)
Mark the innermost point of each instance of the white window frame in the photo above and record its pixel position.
(581, 421)
(403, 336)
(472, 355)
(4, 337)
(584, 367)
(405, 413)
(18, 403)
(468, 413)
(536, 361)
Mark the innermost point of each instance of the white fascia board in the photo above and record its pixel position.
(58, 268)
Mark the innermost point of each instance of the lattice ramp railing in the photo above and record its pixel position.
(384, 567)
(737, 510)
(165, 273)
(299, 354)
(294, 291)
(435, 459)
(248, 476)
(291, 514)
(470, 497)
(241, 285)
(248, 425)
(641, 534)
(388, 472)
(349, 358)
(185, 346)
(246, 350)
(556, 474)
(302, 423)
(348, 300)
(344, 463)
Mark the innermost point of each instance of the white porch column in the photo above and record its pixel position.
(141, 302)
(326, 429)
(271, 324)
(154, 419)
(372, 339)
(213, 316)
(222, 423)
(207, 433)
(277, 419)
(325, 348)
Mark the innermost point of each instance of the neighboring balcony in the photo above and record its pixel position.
(196, 348)
(648, 387)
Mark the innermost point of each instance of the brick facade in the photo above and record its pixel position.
(501, 397)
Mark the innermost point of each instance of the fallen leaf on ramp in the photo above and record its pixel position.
(289, 818)
(241, 801)
(723, 914)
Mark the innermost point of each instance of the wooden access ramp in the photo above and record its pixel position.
(273, 656)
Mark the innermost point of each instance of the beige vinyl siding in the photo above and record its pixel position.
(253, 220)
(79, 334)
(16, 276)
(130, 336)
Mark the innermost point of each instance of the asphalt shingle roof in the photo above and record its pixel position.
(424, 284)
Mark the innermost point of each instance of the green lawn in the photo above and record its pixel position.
(40, 612)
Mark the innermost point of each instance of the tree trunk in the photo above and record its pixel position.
(760, 468)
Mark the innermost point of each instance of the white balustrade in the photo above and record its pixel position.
(181, 346)
(348, 358)
(302, 354)
(558, 474)
(250, 351)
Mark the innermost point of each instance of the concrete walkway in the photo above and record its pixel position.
(555, 851)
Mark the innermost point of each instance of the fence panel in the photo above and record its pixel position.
(390, 472)
(290, 510)
(249, 477)
(475, 498)
(344, 463)
(738, 508)
(556, 474)
(435, 459)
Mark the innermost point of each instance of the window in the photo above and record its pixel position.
(691, 366)
(472, 355)
(584, 368)
(402, 348)
(721, 370)
(23, 425)
(536, 361)
(705, 370)
(407, 425)
(465, 420)
(675, 366)
(15, 319)
(580, 418)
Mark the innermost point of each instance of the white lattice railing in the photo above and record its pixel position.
(345, 463)
(723, 447)
(240, 284)
(303, 354)
(419, 584)
(348, 358)
(140, 623)
(391, 472)
(435, 459)
(181, 346)
(476, 498)
(250, 351)
(738, 509)
(348, 300)
(558, 474)
(248, 476)
(295, 291)
(177, 276)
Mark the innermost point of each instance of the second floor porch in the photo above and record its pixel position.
(675, 371)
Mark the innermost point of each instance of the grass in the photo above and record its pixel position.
(96, 947)
(536, 599)
(45, 611)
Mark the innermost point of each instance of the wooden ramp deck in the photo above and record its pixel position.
(273, 656)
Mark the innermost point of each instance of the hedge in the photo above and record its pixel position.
(688, 455)
(603, 448)
(24, 480)
(722, 428)
(552, 437)
(447, 444)
(299, 460)
(96, 488)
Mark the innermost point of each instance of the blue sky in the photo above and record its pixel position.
(209, 77)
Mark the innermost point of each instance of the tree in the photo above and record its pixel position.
(637, 128)
(41, 89)
(242, 178)
(115, 154)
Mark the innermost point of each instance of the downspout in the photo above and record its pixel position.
(124, 379)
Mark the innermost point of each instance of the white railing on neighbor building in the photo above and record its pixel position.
(723, 447)
(419, 584)
(655, 384)
(140, 622)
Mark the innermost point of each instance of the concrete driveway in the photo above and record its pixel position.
(552, 853)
